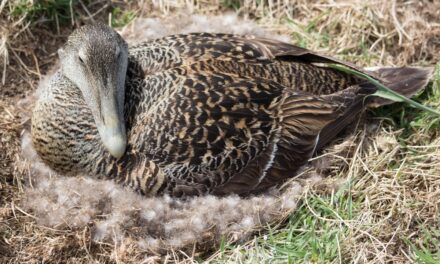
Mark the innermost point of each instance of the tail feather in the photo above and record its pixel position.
(404, 80)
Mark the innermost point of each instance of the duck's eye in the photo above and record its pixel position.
(80, 59)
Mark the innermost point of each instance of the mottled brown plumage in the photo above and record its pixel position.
(203, 113)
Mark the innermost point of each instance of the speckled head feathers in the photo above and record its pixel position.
(95, 59)
(96, 44)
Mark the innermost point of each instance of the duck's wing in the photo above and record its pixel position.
(289, 65)
(183, 49)
(292, 66)
(205, 127)
(212, 118)
(216, 132)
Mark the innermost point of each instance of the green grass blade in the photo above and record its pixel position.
(384, 91)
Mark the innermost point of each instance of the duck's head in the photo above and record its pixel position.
(95, 58)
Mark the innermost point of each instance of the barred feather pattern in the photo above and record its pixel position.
(205, 113)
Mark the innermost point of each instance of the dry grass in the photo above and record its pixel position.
(381, 193)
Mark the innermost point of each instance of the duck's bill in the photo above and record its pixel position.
(112, 132)
(115, 141)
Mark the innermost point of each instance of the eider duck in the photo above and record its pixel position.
(199, 113)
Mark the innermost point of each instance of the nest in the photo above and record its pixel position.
(160, 224)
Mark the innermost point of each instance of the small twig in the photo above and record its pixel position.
(2, 5)
(400, 30)
(86, 10)
(99, 10)
(37, 66)
(23, 64)
(5, 55)
(71, 12)
(25, 213)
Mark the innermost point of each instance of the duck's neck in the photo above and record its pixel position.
(64, 133)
